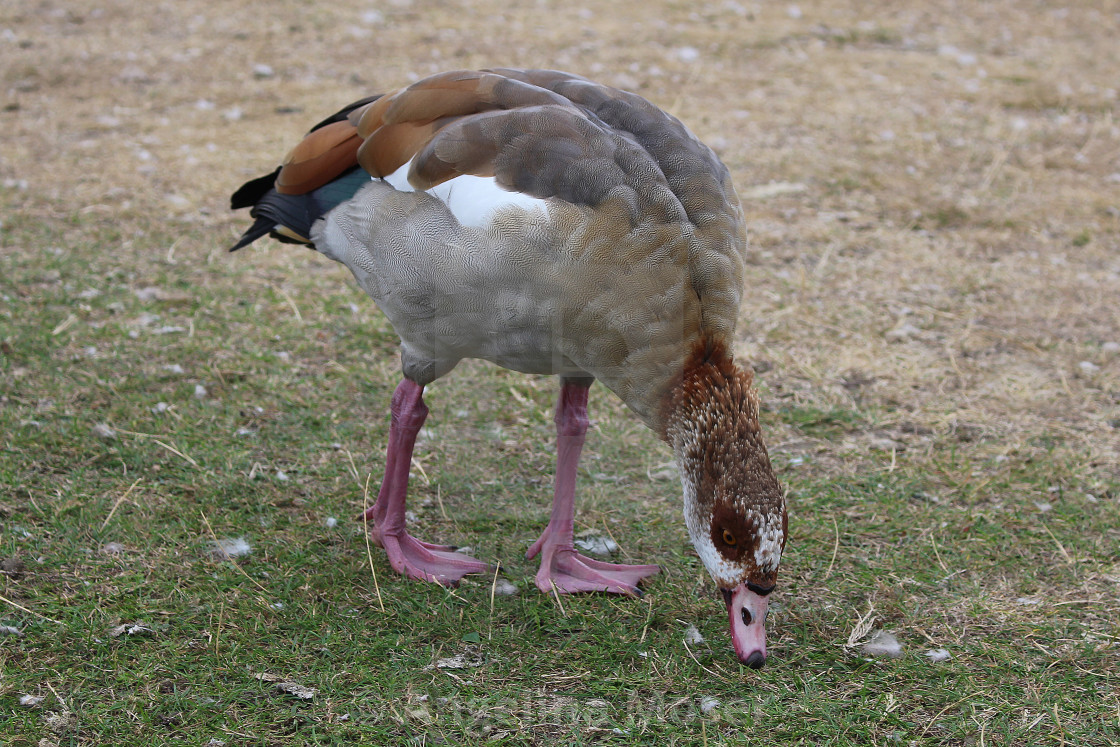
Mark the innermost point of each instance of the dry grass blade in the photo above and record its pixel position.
(177, 452)
(649, 616)
(863, 626)
(1061, 547)
(354, 473)
(365, 533)
(835, 547)
(291, 304)
(556, 596)
(942, 712)
(706, 669)
(937, 554)
(493, 592)
(20, 607)
(118, 502)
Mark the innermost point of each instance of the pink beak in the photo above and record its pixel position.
(747, 611)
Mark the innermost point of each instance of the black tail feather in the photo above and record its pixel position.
(260, 228)
(296, 213)
(345, 112)
(252, 191)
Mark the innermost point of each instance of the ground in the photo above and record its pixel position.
(932, 193)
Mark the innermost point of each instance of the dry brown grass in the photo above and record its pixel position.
(954, 169)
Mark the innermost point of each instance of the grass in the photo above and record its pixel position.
(932, 318)
(950, 551)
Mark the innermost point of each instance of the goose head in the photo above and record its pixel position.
(734, 507)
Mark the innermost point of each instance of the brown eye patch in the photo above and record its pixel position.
(731, 532)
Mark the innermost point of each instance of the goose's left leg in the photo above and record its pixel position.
(562, 568)
(408, 555)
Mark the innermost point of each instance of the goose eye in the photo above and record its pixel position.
(728, 538)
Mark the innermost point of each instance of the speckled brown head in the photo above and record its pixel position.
(734, 507)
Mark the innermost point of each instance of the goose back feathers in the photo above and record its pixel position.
(633, 249)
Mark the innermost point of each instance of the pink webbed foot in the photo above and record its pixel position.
(565, 571)
(422, 560)
(427, 562)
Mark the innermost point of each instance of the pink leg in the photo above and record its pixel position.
(562, 568)
(408, 555)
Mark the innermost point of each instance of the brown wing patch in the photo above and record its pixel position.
(463, 92)
(371, 116)
(399, 126)
(451, 94)
(392, 145)
(323, 155)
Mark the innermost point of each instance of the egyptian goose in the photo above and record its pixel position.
(551, 225)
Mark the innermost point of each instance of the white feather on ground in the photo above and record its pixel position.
(231, 547)
(883, 644)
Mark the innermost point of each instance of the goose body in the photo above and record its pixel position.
(550, 225)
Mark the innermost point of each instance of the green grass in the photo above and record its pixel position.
(818, 423)
(950, 550)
